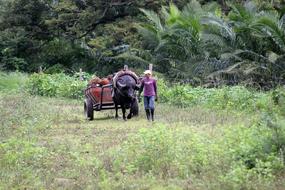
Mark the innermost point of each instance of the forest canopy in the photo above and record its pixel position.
(202, 42)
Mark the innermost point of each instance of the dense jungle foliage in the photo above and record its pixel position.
(200, 42)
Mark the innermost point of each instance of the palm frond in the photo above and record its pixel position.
(153, 17)
(211, 7)
(174, 12)
(165, 13)
(233, 68)
(149, 34)
(193, 8)
(230, 55)
(237, 12)
(130, 57)
(282, 22)
(215, 39)
(250, 6)
(255, 56)
(273, 29)
(226, 30)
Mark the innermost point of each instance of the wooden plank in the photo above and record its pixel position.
(150, 67)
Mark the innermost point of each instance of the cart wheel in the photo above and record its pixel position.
(88, 109)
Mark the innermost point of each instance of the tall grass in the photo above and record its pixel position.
(12, 81)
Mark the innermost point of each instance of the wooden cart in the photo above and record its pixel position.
(97, 98)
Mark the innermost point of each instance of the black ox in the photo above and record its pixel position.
(124, 95)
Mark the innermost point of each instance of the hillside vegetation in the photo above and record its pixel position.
(199, 42)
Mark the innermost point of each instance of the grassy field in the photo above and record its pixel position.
(46, 143)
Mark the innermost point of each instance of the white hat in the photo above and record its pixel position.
(147, 72)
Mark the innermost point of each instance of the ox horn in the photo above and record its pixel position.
(120, 84)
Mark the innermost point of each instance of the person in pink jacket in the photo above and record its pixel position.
(148, 85)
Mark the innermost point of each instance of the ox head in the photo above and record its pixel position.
(126, 86)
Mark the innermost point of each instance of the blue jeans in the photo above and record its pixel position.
(149, 102)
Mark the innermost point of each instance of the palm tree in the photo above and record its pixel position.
(176, 38)
(259, 39)
(152, 31)
(199, 41)
(272, 26)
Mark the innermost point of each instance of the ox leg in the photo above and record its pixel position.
(134, 111)
(124, 112)
(116, 108)
(129, 115)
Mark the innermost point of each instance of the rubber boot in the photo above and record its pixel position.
(147, 114)
(152, 114)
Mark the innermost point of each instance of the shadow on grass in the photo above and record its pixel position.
(103, 118)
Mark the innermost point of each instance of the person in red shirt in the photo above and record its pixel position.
(148, 85)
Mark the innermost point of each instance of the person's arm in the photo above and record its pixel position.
(155, 90)
(140, 90)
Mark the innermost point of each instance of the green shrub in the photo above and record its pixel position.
(57, 68)
(59, 85)
(232, 98)
(278, 98)
(13, 63)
